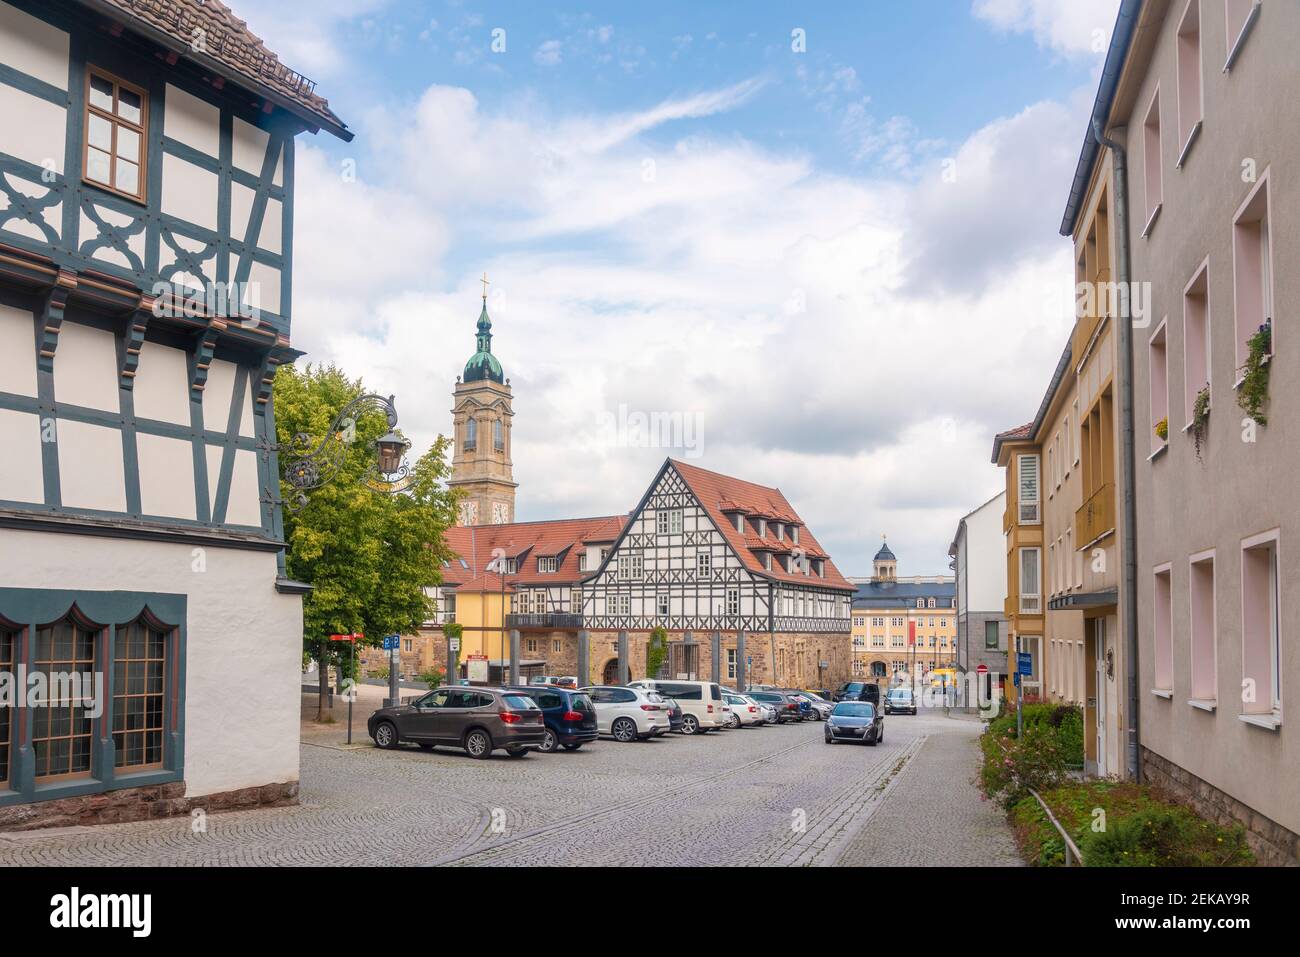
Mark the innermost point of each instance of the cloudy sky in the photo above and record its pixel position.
(824, 240)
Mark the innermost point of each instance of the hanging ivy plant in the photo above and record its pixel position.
(1200, 417)
(1253, 392)
(1162, 429)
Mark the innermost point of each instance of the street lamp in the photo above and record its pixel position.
(310, 468)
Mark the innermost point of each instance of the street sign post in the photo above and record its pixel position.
(1024, 663)
(352, 691)
(393, 645)
(453, 644)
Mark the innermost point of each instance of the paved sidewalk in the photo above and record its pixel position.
(933, 814)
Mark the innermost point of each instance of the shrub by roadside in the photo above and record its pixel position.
(1051, 747)
(1119, 824)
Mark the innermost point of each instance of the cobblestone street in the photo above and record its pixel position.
(773, 795)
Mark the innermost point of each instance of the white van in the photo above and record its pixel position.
(702, 706)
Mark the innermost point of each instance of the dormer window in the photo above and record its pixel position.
(794, 534)
(546, 565)
(740, 522)
(780, 532)
(821, 567)
(767, 561)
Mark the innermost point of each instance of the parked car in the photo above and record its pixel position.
(787, 708)
(806, 710)
(744, 710)
(859, 691)
(676, 717)
(543, 679)
(858, 721)
(701, 701)
(821, 693)
(480, 720)
(628, 714)
(821, 709)
(568, 681)
(900, 700)
(570, 717)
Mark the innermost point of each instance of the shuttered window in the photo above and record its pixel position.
(1028, 488)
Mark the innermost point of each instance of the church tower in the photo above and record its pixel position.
(885, 565)
(481, 414)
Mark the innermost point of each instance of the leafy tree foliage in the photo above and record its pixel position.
(367, 555)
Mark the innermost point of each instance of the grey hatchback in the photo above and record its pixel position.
(480, 720)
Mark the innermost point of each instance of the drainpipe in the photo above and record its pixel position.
(1128, 541)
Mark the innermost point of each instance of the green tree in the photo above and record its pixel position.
(367, 555)
(656, 652)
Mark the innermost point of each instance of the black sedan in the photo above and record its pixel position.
(856, 721)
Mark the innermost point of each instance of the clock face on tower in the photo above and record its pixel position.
(469, 513)
(500, 513)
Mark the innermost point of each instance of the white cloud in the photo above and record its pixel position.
(1072, 27)
(772, 300)
(308, 44)
(548, 53)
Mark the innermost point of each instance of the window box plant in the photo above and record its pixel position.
(1252, 393)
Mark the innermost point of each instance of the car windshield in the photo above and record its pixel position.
(854, 709)
(900, 693)
(853, 687)
(517, 702)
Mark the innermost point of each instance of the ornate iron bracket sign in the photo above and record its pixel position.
(309, 467)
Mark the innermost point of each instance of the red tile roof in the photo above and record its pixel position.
(1019, 432)
(530, 540)
(718, 493)
(229, 46)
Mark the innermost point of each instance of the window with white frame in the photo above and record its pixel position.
(1153, 185)
(1196, 339)
(575, 601)
(733, 601)
(546, 565)
(1158, 380)
(1241, 16)
(630, 566)
(1252, 269)
(1031, 601)
(1189, 78)
(1261, 646)
(1162, 597)
(1204, 628)
(662, 606)
(1028, 485)
(731, 663)
(582, 561)
(704, 563)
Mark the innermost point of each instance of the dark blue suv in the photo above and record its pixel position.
(569, 715)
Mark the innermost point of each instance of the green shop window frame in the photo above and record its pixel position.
(110, 615)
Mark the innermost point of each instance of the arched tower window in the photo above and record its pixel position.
(498, 436)
(471, 435)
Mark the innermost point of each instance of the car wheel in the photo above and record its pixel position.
(478, 744)
(624, 730)
(386, 735)
(733, 721)
(572, 747)
(690, 724)
(549, 742)
(517, 752)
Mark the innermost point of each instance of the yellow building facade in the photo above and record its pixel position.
(889, 612)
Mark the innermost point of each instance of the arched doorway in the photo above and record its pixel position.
(878, 669)
(610, 675)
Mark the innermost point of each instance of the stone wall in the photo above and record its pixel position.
(1272, 843)
(140, 804)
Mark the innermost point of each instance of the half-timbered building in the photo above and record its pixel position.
(146, 212)
(726, 567)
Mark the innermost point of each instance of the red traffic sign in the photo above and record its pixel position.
(982, 670)
(353, 637)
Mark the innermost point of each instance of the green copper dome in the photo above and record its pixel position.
(483, 365)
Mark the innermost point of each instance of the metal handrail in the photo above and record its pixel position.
(1072, 856)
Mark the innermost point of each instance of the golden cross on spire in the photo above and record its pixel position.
(484, 281)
